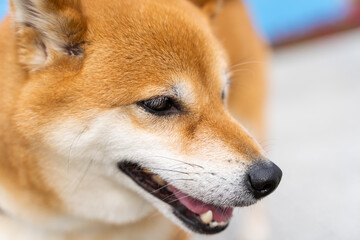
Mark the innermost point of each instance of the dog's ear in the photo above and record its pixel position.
(46, 29)
(210, 7)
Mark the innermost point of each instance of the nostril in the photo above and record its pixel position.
(264, 178)
(266, 187)
(260, 184)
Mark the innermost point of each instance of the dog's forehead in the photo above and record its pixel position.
(157, 41)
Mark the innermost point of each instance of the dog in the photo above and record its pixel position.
(114, 118)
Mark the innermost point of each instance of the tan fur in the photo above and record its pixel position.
(100, 56)
(248, 55)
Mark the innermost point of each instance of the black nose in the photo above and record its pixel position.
(264, 178)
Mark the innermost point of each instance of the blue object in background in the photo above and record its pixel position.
(3, 8)
(276, 18)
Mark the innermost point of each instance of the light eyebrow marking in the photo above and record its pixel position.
(177, 91)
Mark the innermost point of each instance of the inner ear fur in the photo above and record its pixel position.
(47, 28)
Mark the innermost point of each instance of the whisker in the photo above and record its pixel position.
(168, 184)
(76, 139)
(169, 170)
(245, 63)
(239, 70)
(178, 199)
(177, 160)
(154, 191)
(84, 174)
(235, 73)
(171, 195)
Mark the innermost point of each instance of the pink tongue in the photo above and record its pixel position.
(219, 214)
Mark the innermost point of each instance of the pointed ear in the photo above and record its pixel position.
(210, 7)
(46, 29)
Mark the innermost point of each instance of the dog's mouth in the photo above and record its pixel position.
(197, 215)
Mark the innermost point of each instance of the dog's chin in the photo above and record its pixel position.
(188, 212)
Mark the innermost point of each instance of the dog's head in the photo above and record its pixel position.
(125, 106)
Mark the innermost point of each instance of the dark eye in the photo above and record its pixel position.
(223, 95)
(160, 106)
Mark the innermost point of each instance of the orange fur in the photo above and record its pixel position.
(99, 56)
(248, 60)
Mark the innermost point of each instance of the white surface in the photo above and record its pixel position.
(314, 136)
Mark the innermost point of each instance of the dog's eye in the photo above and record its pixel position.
(160, 106)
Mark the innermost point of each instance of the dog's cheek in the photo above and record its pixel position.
(107, 137)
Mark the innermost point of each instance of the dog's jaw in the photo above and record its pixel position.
(91, 158)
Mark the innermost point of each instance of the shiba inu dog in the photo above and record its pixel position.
(113, 119)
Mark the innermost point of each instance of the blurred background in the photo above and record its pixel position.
(313, 120)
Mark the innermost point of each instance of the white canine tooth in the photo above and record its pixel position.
(213, 224)
(207, 217)
(217, 224)
(158, 180)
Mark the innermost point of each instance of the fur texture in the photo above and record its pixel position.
(72, 73)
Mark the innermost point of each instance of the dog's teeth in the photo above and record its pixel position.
(147, 171)
(218, 224)
(207, 217)
(169, 188)
(222, 223)
(158, 180)
(213, 224)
